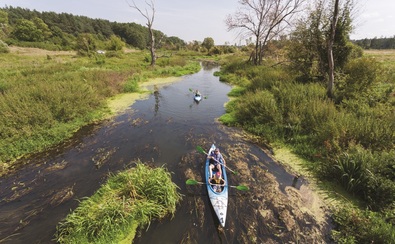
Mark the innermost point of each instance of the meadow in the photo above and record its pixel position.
(47, 96)
(347, 142)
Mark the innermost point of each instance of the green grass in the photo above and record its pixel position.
(129, 199)
(45, 98)
(348, 143)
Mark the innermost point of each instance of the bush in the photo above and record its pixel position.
(362, 227)
(131, 85)
(4, 47)
(360, 75)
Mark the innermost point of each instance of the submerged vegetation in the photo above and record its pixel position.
(348, 141)
(129, 200)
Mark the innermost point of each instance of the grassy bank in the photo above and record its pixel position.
(47, 96)
(347, 143)
(129, 200)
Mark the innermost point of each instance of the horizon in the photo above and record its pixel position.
(187, 20)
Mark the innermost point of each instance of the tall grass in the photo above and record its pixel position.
(45, 98)
(129, 199)
(348, 142)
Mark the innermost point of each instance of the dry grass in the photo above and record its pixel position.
(28, 51)
(387, 55)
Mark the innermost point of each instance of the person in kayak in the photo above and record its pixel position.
(217, 182)
(216, 160)
(197, 93)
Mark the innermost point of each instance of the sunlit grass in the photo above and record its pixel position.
(128, 200)
(46, 96)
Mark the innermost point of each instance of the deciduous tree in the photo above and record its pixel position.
(208, 43)
(264, 20)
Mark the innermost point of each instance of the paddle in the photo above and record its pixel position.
(194, 182)
(200, 149)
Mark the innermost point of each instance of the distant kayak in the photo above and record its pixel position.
(198, 97)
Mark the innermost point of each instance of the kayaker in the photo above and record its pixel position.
(217, 182)
(197, 93)
(215, 161)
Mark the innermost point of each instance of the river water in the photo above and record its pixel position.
(164, 129)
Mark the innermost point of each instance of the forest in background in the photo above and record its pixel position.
(376, 43)
(53, 31)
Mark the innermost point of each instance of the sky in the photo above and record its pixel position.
(193, 20)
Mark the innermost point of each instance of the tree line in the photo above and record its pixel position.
(61, 31)
(376, 43)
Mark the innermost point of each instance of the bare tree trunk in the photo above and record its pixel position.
(152, 47)
(256, 51)
(331, 63)
(150, 22)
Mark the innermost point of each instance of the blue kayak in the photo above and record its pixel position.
(218, 197)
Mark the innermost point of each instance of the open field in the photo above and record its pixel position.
(385, 56)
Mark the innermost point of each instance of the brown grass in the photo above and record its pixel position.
(29, 51)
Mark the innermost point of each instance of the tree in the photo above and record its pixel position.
(208, 43)
(3, 24)
(331, 39)
(308, 47)
(264, 20)
(86, 44)
(115, 43)
(45, 32)
(26, 30)
(150, 21)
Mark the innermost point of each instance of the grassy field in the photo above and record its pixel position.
(46, 96)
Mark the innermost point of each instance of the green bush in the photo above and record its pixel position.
(4, 47)
(358, 226)
(360, 75)
(258, 108)
(131, 85)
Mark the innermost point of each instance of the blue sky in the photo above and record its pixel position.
(197, 19)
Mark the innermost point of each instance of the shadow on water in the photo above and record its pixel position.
(161, 130)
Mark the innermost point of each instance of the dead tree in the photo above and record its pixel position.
(150, 21)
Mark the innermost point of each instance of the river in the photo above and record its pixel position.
(162, 130)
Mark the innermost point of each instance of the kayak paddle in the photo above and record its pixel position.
(194, 182)
(200, 149)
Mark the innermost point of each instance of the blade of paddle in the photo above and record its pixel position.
(241, 187)
(193, 182)
(200, 149)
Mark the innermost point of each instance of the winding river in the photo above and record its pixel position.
(163, 130)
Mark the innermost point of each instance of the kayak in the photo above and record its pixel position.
(219, 200)
(198, 97)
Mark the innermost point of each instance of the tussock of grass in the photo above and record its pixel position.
(128, 200)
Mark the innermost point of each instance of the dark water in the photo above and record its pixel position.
(161, 130)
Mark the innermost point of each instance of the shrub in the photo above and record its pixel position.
(4, 47)
(258, 108)
(359, 226)
(360, 74)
